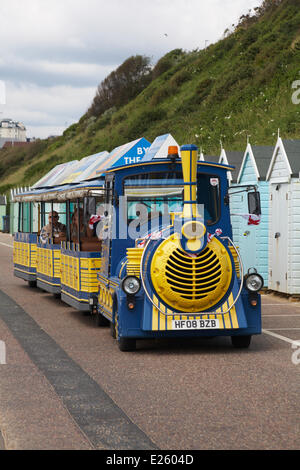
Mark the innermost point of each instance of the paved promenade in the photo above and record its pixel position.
(66, 385)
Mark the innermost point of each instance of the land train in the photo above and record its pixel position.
(161, 262)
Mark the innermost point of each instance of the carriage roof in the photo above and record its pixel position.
(167, 161)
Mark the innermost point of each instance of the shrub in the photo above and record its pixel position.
(119, 117)
(4, 189)
(203, 89)
(143, 121)
(70, 132)
(122, 85)
(179, 78)
(167, 62)
(161, 94)
(40, 168)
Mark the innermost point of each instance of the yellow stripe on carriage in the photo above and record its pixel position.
(162, 318)
(155, 315)
(169, 320)
(226, 317)
(220, 318)
(234, 320)
(74, 297)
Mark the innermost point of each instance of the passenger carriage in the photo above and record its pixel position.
(69, 268)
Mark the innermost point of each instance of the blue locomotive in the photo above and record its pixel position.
(170, 269)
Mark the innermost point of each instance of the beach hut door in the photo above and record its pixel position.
(248, 244)
(248, 237)
(279, 237)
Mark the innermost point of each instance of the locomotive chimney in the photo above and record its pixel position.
(189, 156)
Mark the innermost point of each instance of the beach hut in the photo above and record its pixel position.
(3, 204)
(284, 217)
(252, 239)
(233, 158)
(209, 158)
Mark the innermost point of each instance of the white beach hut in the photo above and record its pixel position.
(284, 217)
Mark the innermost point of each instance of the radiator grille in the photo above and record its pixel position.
(193, 278)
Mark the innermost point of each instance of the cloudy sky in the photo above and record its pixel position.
(55, 53)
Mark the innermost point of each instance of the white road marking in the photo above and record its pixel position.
(278, 305)
(283, 338)
(282, 329)
(5, 244)
(283, 315)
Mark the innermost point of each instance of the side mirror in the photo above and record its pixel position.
(254, 206)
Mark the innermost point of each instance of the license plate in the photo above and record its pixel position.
(195, 324)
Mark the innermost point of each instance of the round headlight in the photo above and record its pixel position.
(131, 285)
(254, 282)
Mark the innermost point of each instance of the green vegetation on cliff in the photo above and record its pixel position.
(239, 86)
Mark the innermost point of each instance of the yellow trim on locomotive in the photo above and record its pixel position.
(162, 322)
(134, 256)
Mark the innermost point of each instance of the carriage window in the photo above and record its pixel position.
(157, 194)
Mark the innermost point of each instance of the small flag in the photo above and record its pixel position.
(252, 219)
(217, 233)
(93, 220)
(153, 236)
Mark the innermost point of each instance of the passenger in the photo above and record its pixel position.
(53, 227)
(85, 232)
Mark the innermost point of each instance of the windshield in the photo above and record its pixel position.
(153, 195)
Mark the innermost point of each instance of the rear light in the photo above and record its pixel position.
(253, 298)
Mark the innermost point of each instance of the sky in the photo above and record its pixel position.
(55, 53)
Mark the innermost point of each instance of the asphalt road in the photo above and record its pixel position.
(66, 385)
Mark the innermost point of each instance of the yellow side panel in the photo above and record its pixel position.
(15, 252)
(89, 267)
(56, 266)
(33, 249)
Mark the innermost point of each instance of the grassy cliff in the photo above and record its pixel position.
(239, 86)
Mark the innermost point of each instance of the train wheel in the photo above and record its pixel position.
(32, 283)
(241, 341)
(127, 344)
(101, 320)
(86, 313)
(113, 330)
(114, 322)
